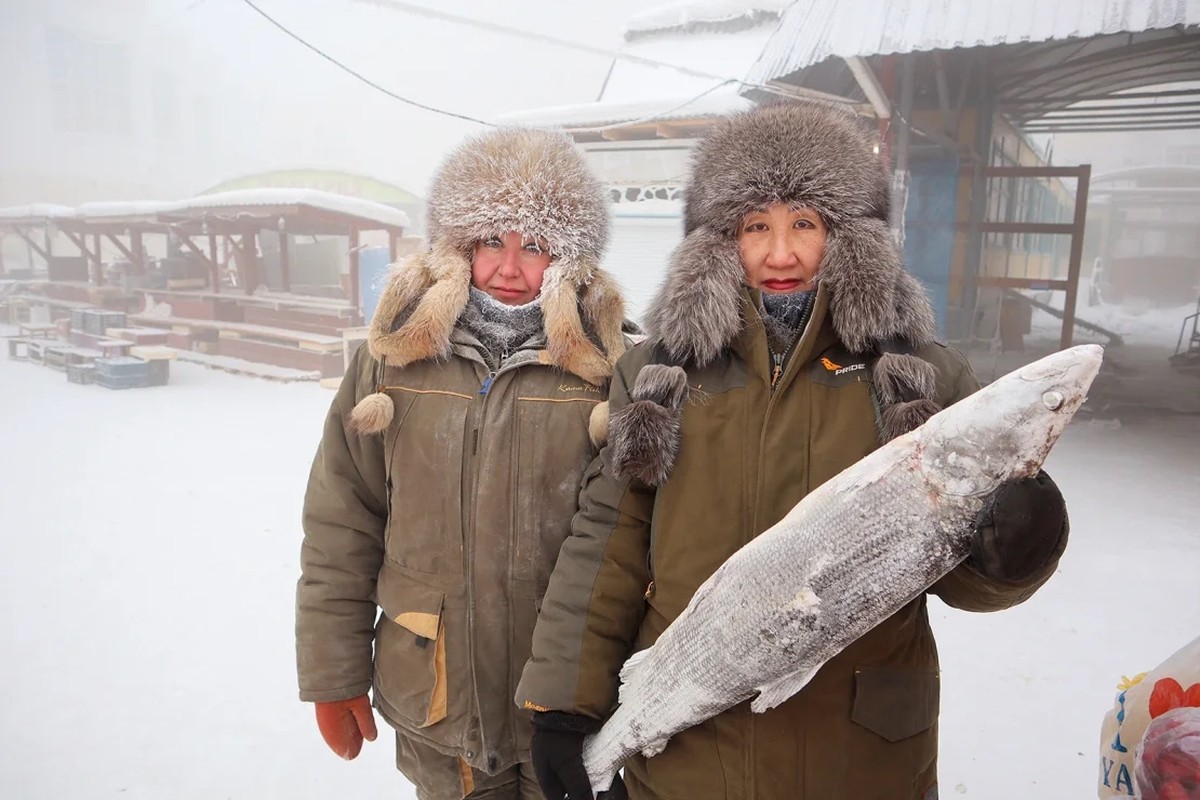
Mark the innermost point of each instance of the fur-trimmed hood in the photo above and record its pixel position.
(801, 154)
(535, 183)
(807, 154)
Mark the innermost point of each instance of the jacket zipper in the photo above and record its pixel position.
(780, 359)
(485, 389)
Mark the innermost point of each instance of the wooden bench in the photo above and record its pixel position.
(303, 340)
(37, 330)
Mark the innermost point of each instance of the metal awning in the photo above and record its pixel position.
(1063, 66)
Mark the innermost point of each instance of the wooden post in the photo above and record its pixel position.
(139, 252)
(49, 253)
(393, 246)
(285, 266)
(355, 294)
(96, 243)
(1081, 199)
(249, 250)
(215, 265)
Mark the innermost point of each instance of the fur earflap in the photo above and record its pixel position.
(697, 312)
(372, 414)
(645, 433)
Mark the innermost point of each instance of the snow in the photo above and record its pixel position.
(314, 198)
(34, 211)
(273, 196)
(695, 12)
(149, 553)
(813, 31)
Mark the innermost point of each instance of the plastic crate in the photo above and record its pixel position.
(77, 318)
(120, 381)
(122, 367)
(98, 320)
(158, 372)
(81, 373)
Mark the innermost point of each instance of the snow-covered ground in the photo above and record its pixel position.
(148, 555)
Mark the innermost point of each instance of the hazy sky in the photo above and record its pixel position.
(315, 113)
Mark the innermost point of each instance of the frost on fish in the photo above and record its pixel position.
(848, 556)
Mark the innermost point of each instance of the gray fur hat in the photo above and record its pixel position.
(801, 154)
(533, 182)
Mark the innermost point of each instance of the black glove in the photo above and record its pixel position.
(1020, 530)
(557, 754)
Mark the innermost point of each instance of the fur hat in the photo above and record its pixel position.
(822, 157)
(535, 183)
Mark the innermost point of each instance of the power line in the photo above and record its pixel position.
(360, 76)
(493, 27)
(421, 10)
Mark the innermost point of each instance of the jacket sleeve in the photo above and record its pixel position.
(595, 601)
(345, 513)
(964, 587)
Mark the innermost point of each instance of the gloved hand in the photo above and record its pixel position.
(557, 754)
(1020, 530)
(345, 723)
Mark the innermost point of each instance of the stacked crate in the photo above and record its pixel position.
(124, 372)
(96, 321)
(81, 373)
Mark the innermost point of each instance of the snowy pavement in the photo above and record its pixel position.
(149, 545)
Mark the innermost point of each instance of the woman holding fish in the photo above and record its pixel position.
(787, 343)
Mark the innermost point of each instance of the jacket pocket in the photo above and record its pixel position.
(894, 702)
(410, 650)
(551, 452)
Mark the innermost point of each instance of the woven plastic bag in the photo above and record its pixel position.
(1175, 683)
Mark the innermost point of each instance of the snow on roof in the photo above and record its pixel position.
(34, 211)
(814, 30)
(240, 199)
(313, 198)
(724, 100)
(119, 209)
(698, 14)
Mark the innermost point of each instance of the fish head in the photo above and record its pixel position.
(1005, 430)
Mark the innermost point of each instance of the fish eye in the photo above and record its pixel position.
(1053, 400)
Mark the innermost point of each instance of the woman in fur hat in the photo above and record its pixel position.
(450, 464)
(787, 342)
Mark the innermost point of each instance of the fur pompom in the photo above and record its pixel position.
(899, 377)
(373, 414)
(598, 425)
(645, 441)
(899, 419)
(662, 384)
(645, 433)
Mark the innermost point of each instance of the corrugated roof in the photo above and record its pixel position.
(812, 31)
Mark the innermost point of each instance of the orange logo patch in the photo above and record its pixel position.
(829, 365)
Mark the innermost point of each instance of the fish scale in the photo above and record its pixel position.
(850, 554)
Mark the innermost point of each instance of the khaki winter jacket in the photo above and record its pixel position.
(675, 494)
(442, 488)
(866, 726)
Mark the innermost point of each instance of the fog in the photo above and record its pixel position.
(149, 538)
